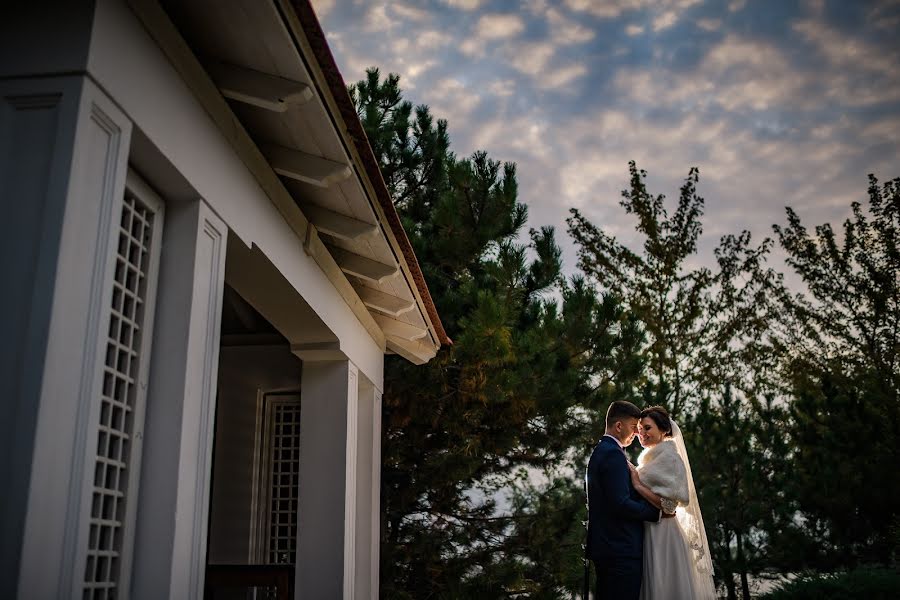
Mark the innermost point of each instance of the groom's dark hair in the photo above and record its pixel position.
(621, 409)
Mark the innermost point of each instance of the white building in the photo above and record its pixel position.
(203, 271)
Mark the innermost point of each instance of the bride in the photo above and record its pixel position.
(677, 564)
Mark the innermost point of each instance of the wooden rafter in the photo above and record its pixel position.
(383, 302)
(362, 267)
(305, 167)
(257, 88)
(395, 328)
(336, 224)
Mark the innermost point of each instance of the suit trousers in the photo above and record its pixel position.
(619, 578)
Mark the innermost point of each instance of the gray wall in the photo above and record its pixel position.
(244, 372)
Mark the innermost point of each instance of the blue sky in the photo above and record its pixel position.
(777, 102)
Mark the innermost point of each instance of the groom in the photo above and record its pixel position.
(616, 513)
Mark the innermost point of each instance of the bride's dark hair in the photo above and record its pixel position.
(661, 417)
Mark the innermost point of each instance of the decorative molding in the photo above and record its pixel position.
(305, 167)
(213, 232)
(257, 88)
(350, 461)
(316, 351)
(258, 479)
(375, 539)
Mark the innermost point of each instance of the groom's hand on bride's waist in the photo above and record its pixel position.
(666, 515)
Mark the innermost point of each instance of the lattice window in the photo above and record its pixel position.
(285, 470)
(121, 399)
(278, 483)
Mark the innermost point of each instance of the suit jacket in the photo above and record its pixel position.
(616, 512)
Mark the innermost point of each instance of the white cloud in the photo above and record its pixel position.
(557, 78)
(502, 88)
(633, 30)
(566, 31)
(377, 20)
(498, 26)
(322, 8)
(410, 13)
(885, 15)
(847, 51)
(432, 39)
(709, 24)
(452, 99)
(767, 127)
(611, 9)
(737, 171)
(752, 74)
(472, 47)
(816, 7)
(532, 58)
(861, 74)
(665, 20)
(737, 75)
(414, 69)
(537, 7)
(608, 9)
(464, 4)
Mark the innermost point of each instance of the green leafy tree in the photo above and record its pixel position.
(516, 396)
(840, 340)
(702, 326)
(708, 359)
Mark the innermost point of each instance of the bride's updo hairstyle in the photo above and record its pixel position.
(661, 417)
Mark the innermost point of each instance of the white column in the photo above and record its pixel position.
(368, 490)
(171, 533)
(328, 467)
(63, 162)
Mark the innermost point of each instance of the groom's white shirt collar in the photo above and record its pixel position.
(615, 440)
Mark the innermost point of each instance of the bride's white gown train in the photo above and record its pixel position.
(668, 563)
(677, 563)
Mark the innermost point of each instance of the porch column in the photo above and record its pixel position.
(171, 532)
(328, 464)
(63, 163)
(368, 490)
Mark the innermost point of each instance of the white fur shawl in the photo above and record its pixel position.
(662, 470)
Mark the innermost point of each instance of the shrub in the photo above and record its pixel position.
(865, 583)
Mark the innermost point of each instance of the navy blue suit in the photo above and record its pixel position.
(616, 515)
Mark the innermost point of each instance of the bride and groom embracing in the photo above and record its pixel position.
(645, 531)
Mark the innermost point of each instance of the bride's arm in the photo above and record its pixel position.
(664, 504)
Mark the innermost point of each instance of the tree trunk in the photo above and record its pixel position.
(729, 585)
(742, 565)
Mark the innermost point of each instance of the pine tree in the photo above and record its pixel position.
(516, 396)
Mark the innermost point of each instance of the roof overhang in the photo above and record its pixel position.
(264, 73)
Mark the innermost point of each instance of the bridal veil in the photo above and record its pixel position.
(691, 521)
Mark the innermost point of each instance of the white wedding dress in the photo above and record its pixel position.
(677, 565)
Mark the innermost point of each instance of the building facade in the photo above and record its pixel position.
(204, 272)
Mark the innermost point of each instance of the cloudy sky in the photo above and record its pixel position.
(777, 102)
